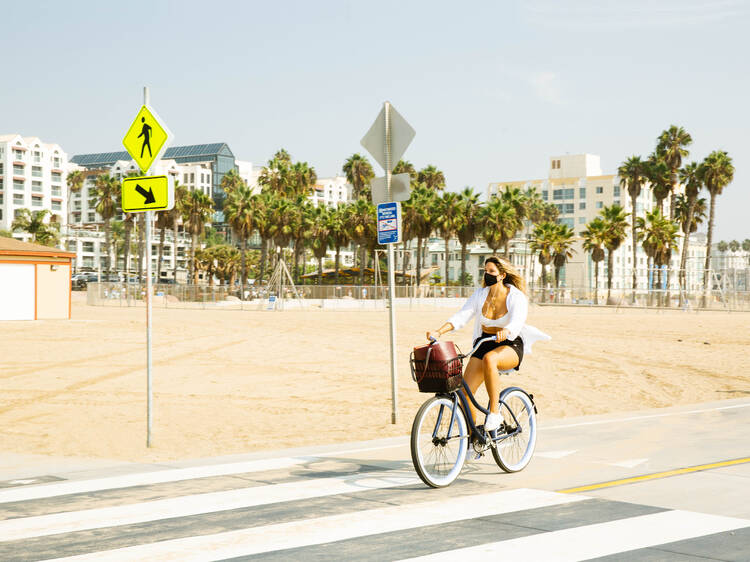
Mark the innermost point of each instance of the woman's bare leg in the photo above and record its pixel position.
(501, 358)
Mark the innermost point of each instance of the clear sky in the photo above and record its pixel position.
(493, 89)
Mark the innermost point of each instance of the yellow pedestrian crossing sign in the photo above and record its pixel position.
(147, 193)
(147, 138)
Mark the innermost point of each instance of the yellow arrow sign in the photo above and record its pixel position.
(147, 193)
(147, 138)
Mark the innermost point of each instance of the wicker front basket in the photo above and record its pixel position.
(439, 377)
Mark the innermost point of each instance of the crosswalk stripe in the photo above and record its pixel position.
(66, 522)
(147, 478)
(603, 539)
(296, 534)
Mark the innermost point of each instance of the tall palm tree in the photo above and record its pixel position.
(362, 229)
(499, 224)
(467, 228)
(543, 242)
(659, 235)
(419, 220)
(299, 219)
(515, 197)
(406, 167)
(231, 181)
(107, 192)
(274, 177)
(339, 234)
(238, 213)
(319, 239)
(685, 208)
(175, 215)
(594, 239)
(33, 222)
(616, 220)
(74, 180)
(197, 209)
(633, 176)
(446, 222)
(716, 172)
(302, 178)
(670, 146)
(359, 173)
(660, 179)
(262, 222)
(562, 249)
(432, 178)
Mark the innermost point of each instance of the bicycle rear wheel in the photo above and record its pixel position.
(514, 453)
(439, 447)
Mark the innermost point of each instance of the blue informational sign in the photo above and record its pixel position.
(389, 223)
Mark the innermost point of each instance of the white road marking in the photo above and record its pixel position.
(183, 506)
(309, 532)
(631, 463)
(24, 481)
(602, 539)
(554, 454)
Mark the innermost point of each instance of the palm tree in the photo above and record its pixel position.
(274, 176)
(446, 222)
(175, 214)
(543, 242)
(562, 249)
(358, 173)
(467, 228)
(302, 178)
(499, 224)
(515, 197)
(231, 181)
(197, 209)
(660, 178)
(685, 208)
(74, 180)
(659, 235)
(633, 175)
(337, 229)
(260, 205)
(594, 239)
(670, 146)
(616, 220)
(419, 220)
(362, 229)
(238, 213)
(299, 219)
(107, 192)
(716, 172)
(406, 167)
(33, 223)
(319, 235)
(432, 178)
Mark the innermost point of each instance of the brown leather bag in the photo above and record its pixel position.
(437, 367)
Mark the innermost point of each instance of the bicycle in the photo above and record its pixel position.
(438, 454)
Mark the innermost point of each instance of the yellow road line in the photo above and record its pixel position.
(654, 476)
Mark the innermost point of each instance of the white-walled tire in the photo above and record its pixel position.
(514, 453)
(438, 459)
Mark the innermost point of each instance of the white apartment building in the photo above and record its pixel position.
(32, 176)
(249, 173)
(578, 188)
(331, 191)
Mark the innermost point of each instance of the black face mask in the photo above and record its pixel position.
(489, 279)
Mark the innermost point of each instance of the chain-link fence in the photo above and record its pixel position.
(363, 297)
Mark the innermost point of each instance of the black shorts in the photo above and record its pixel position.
(516, 345)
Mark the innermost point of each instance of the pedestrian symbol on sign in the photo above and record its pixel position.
(146, 134)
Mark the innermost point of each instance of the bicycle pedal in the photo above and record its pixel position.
(478, 456)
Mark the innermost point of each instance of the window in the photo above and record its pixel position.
(565, 208)
(18, 155)
(92, 217)
(581, 220)
(1, 198)
(1, 183)
(56, 177)
(36, 171)
(56, 161)
(192, 177)
(18, 185)
(545, 195)
(566, 221)
(36, 185)
(18, 198)
(582, 205)
(37, 156)
(582, 192)
(184, 178)
(599, 204)
(56, 191)
(1, 168)
(599, 189)
(36, 201)
(56, 205)
(567, 193)
(617, 191)
(17, 170)
(71, 246)
(88, 246)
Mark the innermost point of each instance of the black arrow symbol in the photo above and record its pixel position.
(149, 195)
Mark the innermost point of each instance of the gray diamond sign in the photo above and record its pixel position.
(401, 136)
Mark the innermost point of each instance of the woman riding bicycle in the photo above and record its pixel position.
(500, 307)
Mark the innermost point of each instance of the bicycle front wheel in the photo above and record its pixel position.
(514, 453)
(439, 442)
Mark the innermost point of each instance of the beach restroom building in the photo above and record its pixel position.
(34, 281)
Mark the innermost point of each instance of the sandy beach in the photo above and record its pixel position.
(229, 382)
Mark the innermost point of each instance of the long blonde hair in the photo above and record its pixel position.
(512, 275)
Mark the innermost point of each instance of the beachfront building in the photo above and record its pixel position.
(579, 189)
(249, 174)
(32, 176)
(331, 191)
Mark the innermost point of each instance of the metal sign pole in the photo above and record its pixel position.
(149, 218)
(391, 273)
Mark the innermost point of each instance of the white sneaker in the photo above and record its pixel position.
(493, 421)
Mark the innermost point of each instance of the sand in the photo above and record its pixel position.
(228, 382)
